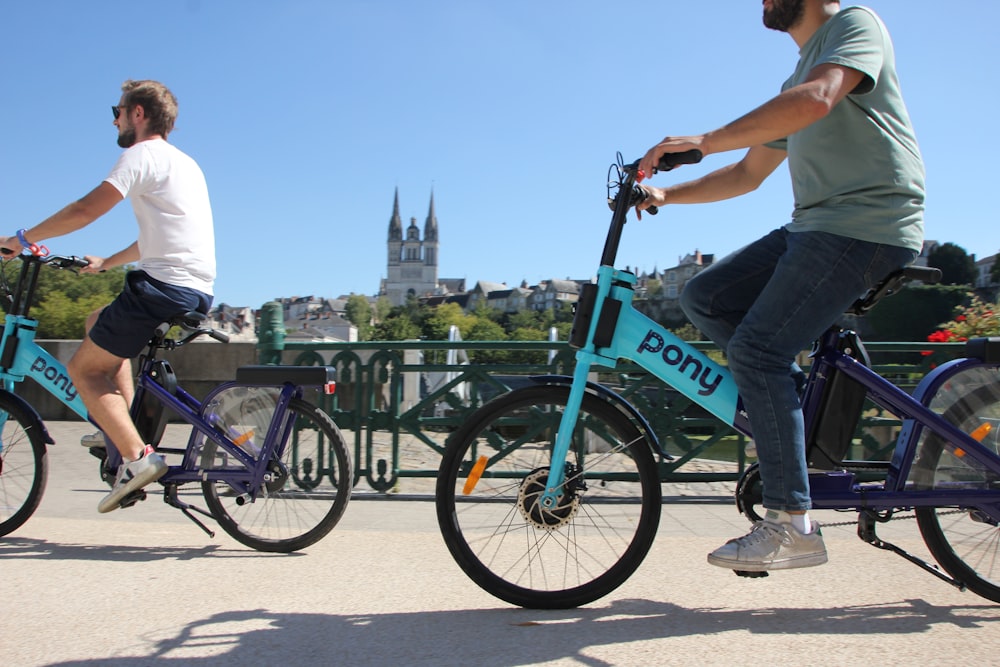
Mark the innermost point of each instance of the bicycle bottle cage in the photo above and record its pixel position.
(839, 410)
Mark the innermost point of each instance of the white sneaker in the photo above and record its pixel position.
(771, 545)
(132, 476)
(94, 440)
(750, 449)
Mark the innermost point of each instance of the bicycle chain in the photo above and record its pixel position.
(894, 517)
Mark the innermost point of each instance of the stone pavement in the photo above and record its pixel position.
(144, 586)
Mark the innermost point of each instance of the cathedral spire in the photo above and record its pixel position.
(431, 224)
(395, 223)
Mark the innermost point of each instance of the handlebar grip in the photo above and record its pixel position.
(670, 160)
(639, 195)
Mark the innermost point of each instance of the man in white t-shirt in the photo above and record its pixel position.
(175, 268)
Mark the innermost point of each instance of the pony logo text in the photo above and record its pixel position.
(673, 355)
(57, 378)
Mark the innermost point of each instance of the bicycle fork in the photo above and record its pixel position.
(556, 481)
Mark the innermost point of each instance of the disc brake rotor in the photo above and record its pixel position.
(530, 495)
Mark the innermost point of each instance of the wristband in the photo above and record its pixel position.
(37, 250)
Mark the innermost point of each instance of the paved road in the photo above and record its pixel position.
(144, 586)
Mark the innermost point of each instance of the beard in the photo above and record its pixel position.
(126, 138)
(784, 14)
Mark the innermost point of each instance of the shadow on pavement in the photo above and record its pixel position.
(15, 547)
(508, 637)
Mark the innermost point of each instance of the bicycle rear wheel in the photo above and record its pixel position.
(24, 467)
(493, 472)
(965, 541)
(307, 493)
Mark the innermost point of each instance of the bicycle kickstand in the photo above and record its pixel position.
(867, 520)
(170, 498)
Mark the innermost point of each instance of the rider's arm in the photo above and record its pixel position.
(786, 114)
(72, 217)
(127, 256)
(732, 181)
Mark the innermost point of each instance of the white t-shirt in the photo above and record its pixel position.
(170, 200)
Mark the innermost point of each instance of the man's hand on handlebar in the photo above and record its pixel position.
(654, 197)
(96, 264)
(648, 164)
(10, 247)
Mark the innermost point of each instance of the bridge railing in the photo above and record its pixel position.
(397, 403)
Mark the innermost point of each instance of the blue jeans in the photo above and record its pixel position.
(763, 305)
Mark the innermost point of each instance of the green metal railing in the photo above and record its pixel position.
(398, 426)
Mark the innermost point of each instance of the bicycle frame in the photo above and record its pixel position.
(22, 357)
(607, 328)
(188, 408)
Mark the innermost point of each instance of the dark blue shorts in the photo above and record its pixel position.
(127, 323)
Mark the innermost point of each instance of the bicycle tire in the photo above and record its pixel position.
(964, 543)
(306, 501)
(584, 549)
(24, 467)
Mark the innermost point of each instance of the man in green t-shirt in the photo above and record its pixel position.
(858, 182)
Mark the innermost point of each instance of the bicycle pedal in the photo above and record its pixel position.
(749, 575)
(132, 498)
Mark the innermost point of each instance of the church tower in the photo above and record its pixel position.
(412, 267)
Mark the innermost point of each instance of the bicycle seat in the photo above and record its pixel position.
(891, 284)
(189, 320)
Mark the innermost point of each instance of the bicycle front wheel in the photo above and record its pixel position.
(965, 541)
(24, 467)
(493, 473)
(304, 496)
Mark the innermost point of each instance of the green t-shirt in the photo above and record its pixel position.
(857, 172)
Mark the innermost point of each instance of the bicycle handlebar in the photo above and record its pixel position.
(60, 261)
(666, 162)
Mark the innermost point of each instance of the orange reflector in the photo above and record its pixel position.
(980, 433)
(239, 440)
(959, 452)
(474, 475)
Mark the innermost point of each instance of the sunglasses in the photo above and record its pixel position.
(117, 111)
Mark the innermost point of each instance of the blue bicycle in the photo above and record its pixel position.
(549, 496)
(273, 468)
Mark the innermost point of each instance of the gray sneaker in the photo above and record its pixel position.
(771, 545)
(133, 476)
(92, 440)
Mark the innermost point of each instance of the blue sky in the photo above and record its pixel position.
(306, 115)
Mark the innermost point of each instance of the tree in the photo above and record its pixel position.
(957, 267)
(359, 312)
(487, 329)
(915, 312)
(995, 270)
(396, 327)
(382, 308)
(439, 321)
